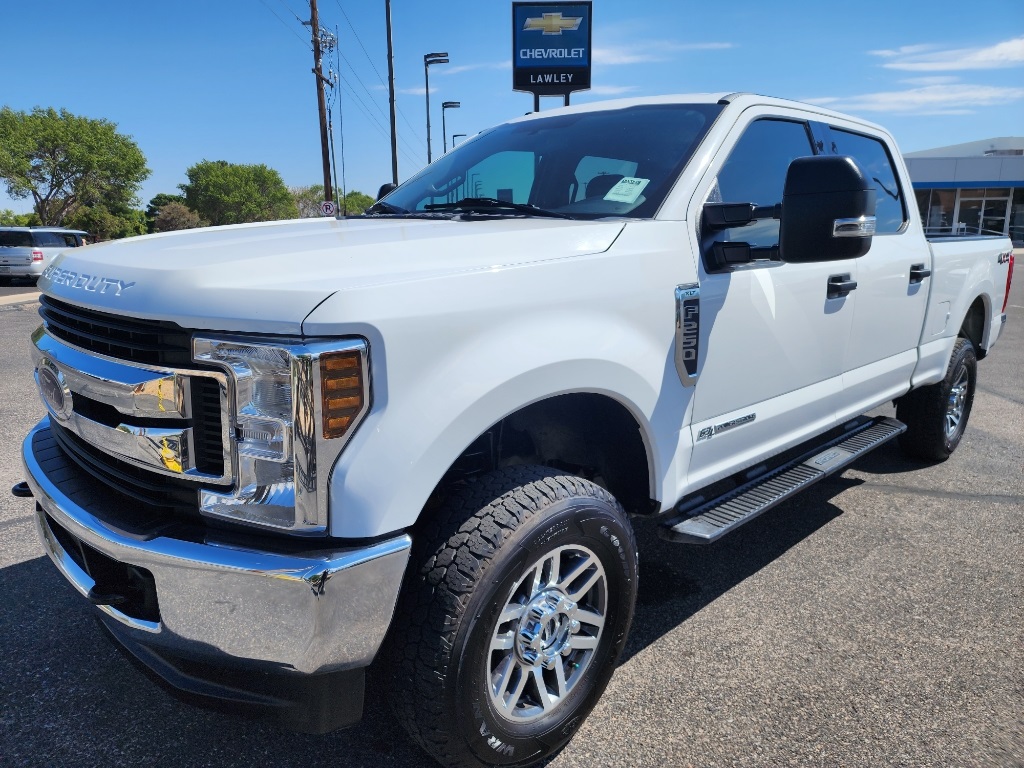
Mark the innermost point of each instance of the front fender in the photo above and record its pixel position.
(451, 357)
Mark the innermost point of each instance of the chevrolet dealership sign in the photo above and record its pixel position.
(551, 47)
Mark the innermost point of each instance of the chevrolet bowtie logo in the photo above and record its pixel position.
(553, 24)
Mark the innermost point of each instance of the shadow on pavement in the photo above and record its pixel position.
(70, 697)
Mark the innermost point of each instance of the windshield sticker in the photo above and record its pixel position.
(627, 190)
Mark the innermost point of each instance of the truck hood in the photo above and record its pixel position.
(267, 277)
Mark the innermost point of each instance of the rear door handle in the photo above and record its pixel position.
(918, 272)
(840, 285)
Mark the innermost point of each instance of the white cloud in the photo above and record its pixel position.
(446, 70)
(926, 58)
(934, 80)
(903, 50)
(612, 90)
(651, 51)
(958, 99)
(702, 46)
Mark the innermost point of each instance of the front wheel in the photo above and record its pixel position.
(936, 416)
(511, 623)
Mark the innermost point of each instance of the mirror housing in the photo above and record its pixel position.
(828, 210)
(386, 189)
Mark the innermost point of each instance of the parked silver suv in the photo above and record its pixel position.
(27, 251)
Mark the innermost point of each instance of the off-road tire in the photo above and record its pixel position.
(472, 564)
(936, 416)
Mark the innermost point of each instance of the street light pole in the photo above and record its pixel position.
(428, 59)
(455, 136)
(444, 130)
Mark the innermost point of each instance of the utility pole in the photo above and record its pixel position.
(314, 23)
(391, 96)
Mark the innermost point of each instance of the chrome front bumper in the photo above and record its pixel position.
(225, 603)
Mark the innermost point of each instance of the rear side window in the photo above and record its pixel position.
(49, 240)
(15, 239)
(873, 158)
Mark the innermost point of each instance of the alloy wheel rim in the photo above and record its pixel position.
(957, 402)
(547, 633)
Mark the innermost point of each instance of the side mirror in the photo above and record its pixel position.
(386, 189)
(828, 210)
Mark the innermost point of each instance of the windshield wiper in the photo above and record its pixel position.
(489, 204)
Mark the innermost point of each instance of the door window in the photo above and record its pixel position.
(756, 173)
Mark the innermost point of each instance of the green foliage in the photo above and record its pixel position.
(173, 216)
(356, 203)
(63, 162)
(229, 193)
(107, 224)
(9, 218)
(308, 200)
(158, 202)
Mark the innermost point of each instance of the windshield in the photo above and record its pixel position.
(587, 165)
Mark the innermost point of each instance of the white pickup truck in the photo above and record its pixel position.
(276, 452)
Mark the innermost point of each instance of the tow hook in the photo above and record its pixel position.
(21, 490)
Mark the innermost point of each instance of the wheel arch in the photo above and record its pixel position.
(590, 434)
(976, 323)
(389, 475)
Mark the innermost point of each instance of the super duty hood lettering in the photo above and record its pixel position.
(86, 282)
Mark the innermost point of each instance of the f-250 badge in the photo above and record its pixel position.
(687, 332)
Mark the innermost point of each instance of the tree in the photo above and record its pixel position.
(174, 216)
(228, 193)
(308, 200)
(158, 202)
(108, 224)
(9, 218)
(356, 203)
(63, 162)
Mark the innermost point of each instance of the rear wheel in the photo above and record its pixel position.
(510, 624)
(936, 416)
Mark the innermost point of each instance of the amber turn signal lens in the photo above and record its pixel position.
(342, 391)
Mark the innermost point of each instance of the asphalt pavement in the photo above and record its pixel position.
(875, 620)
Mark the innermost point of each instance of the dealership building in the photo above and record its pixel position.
(971, 188)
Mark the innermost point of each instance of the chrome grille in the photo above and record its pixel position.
(153, 342)
(138, 414)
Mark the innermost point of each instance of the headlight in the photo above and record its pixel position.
(292, 409)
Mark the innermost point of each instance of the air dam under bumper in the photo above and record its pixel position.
(278, 632)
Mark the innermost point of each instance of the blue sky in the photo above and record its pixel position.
(230, 79)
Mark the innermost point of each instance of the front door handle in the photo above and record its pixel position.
(918, 272)
(840, 285)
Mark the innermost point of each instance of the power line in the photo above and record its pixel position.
(305, 42)
(374, 67)
(357, 100)
(371, 97)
